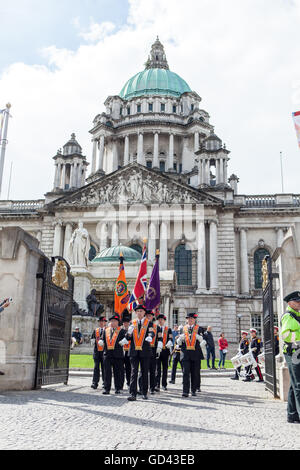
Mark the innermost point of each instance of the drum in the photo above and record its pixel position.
(236, 361)
(248, 360)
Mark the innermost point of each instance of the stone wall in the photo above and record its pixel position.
(20, 261)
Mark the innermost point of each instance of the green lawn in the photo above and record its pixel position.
(82, 361)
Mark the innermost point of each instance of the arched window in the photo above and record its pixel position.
(137, 248)
(92, 253)
(183, 265)
(258, 257)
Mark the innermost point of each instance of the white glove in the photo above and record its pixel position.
(180, 339)
(160, 345)
(123, 342)
(199, 338)
(149, 339)
(169, 344)
(101, 343)
(203, 343)
(158, 351)
(93, 342)
(130, 329)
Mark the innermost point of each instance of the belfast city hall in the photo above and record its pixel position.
(158, 172)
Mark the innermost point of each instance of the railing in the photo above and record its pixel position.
(21, 206)
(260, 201)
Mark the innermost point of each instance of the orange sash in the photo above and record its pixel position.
(165, 337)
(111, 343)
(127, 346)
(152, 344)
(139, 338)
(100, 348)
(190, 343)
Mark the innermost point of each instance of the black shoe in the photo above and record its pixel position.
(172, 382)
(293, 420)
(185, 395)
(157, 389)
(246, 380)
(131, 398)
(145, 397)
(94, 386)
(152, 392)
(118, 392)
(194, 394)
(234, 378)
(198, 390)
(106, 392)
(165, 389)
(214, 368)
(139, 393)
(260, 380)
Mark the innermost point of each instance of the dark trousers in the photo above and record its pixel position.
(115, 366)
(98, 361)
(162, 363)
(210, 351)
(176, 359)
(293, 407)
(191, 375)
(126, 371)
(152, 375)
(144, 363)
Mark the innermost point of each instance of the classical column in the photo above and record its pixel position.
(171, 153)
(68, 235)
(101, 152)
(213, 254)
(155, 163)
(94, 160)
(152, 241)
(140, 149)
(126, 150)
(280, 236)
(221, 171)
(225, 171)
(244, 262)
(57, 238)
(196, 141)
(201, 257)
(63, 177)
(79, 170)
(207, 172)
(103, 237)
(163, 258)
(56, 176)
(115, 234)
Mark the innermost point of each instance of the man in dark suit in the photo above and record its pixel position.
(164, 348)
(190, 339)
(97, 336)
(141, 334)
(126, 371)
(113, 354)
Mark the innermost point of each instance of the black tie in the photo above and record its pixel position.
(140, 325)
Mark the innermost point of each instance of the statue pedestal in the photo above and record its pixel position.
(82, 285)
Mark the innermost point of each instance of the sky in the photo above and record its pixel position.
(60, 59)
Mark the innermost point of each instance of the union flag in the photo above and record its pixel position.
(140, 283)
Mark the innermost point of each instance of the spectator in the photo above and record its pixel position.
(77, 338)
(4, 304)
(223, 345)
(210, 348)
(175, 332)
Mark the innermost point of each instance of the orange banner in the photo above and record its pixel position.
(121, 292)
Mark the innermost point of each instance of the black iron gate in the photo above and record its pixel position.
(268, 325)
(55, 326)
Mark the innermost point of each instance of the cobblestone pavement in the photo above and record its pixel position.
(225, 415)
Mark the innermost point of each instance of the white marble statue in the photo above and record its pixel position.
(79, 247)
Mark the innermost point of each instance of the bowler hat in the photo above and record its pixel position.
(115, 317)
(161, 315)
(140, 307)
(192, 315)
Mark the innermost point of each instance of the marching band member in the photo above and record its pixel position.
(164, 347)
(256, 350)
(189, 340)
(141, 334)
(244, 349)
(113, 343)
(98, 352)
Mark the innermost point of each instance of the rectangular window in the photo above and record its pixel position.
(139, 108)
(192, 107)
(174, 108)
(162, 166)
(175, 317)
(180, 168)
(128, 110)
(149, 164)
(162, 107)
(150, 107)
(121, 111)
(175, 166)
(257, 323)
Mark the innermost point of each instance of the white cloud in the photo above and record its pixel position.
(240, 57)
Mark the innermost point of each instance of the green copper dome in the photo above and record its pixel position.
(154, 81)
(112, 255)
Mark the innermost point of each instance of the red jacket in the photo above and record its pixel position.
(222, 343)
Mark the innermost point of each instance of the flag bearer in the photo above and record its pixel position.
(152, 367)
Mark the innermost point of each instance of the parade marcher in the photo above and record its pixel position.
(290, 333)
(164, 348)
(126, 370)
(255, 347)
(189, 339)
(97, 336)
(152, 366)
(113, 354)
(176, 359)
(244, 349)
(141, 334)
(276, 340)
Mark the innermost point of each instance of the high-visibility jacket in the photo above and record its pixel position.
(290, 327)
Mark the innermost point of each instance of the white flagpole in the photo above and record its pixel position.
(282, 187)
(8, 192)
(4, 143)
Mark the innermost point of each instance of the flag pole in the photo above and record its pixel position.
(8, 192)
(281, 173)
(4, 143)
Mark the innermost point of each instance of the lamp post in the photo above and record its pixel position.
(239, 317)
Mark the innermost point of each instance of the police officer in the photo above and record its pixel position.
(189, 339)
(290, 333)
(98, 352)
(141, 334)
(164, 346)
(113, 355)
(256, 350)
(244, 349)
